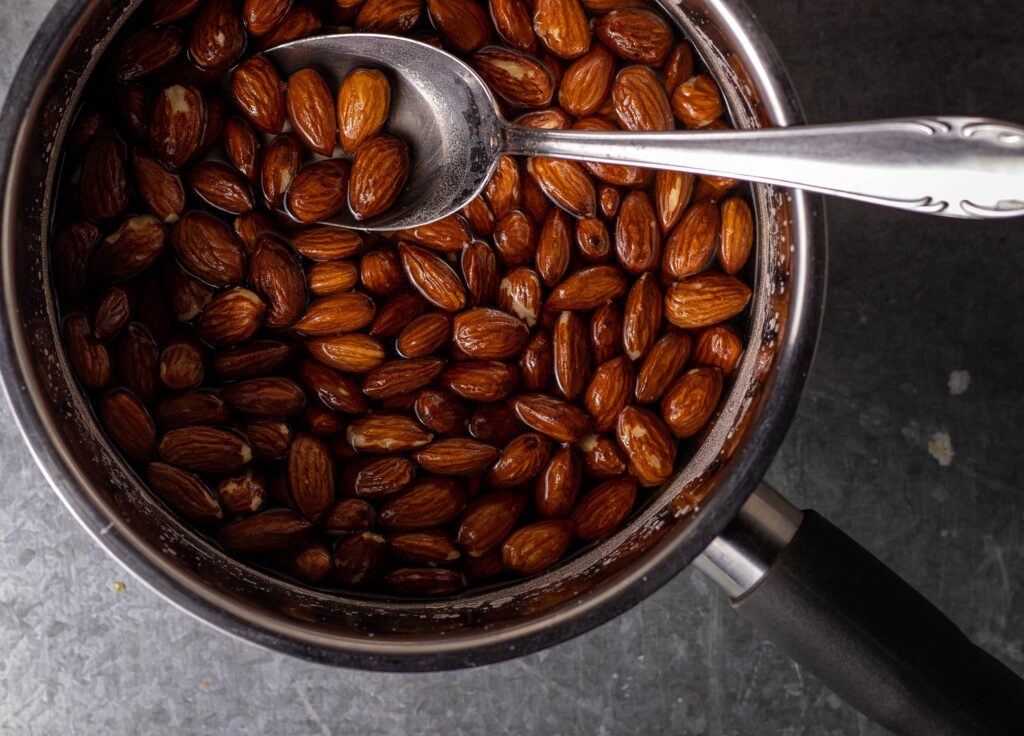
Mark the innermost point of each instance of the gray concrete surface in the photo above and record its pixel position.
(915, 306)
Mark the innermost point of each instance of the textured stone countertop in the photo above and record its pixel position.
(922, 344)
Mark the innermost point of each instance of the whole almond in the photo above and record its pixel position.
(424, 581)
(441, 412)
(214, 130)
(112, 313)
(103, 181)
(242, 147)
(221, 187)
(635, 34)
(161, 190)
(299, 22)
(672, 193)
(588, 289)
(602, 457)
(310, 108)
(649, 448)
(395, 313)
(520, 293)
(380, 169)
(495, 423)
(274, 273)
(194, 407)
(318, 191)
(587, 82)
(691, 245)
(280, 167)
(268, 531)
(705, 299)
(359, 558)
(479, 267)
(593, 242)
(207, 248)
(72, 249)
(426, 334)
(520, 80)
(269, 440)
(559, 420)
(604, 508)
(427, 547)
(177, 124)
(252, 227)
(389, 16)
(402, 376)
(184, 492)
(363, 104)
(537, 363)
(456, 456)
(257, 358)
(606, 332)
(737, 235)
(327, 243)
(138, 357)
(205, 450)
(135, 103)
(720, 347)
(258, 92)
(322, 422)
(690, 402)
(609, 391)
(266, 398)
(488, 520)
(432, 277)
(427, 503)
(182, 363)
(310, 476)
(447, 235)
(610, 173)
(554, 247)
(331, 277)
(463, 24)
(489, 334)
(697, 102)
(478, 214)
(513, 23)
(232, 317)
(637, 238)
(663, 363)
(218, 36)
(642, 316)
(571, 355)
(515, 239)
(129, 425)
(380, 271)
(522, 460)
(261, 16)
(566, 183)
(387, 433)
(550, 118)
(562, 26)
(384, 477)
(504, 189)
(536, 547)
(146, 51)
(242, 494)
(311, 562)
(129, 250)
(481, 380)
(332, 315)
(640, 100)
(559, 484)
(678, 66)
(610, 198)
(336, 391)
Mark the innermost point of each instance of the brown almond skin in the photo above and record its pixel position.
(571, 355)
(135, 102)
(608, 392)
(352, 353)
(588, 289)
(489, 334)
(331, 315)
(737, 235)
(479, 267)
(269, 440)
(242, 147)
(161, 190)
(697, 102)
(690, 402)
(447, 235)
(242, 495)
(456, 456)
(384, 477)
(587, 82)
(642, 316)
(184, 492)
(559, 484)
(441, 412)
(207, 248)
(205, 450)
(318, 191)
(637, 237)
(424, 582)
(146, 51)
(678, 66)
(359, 558)
(182, 363)
(610, 199)
(672, 193)
(663, 363)
(380, 169)
(310, 562)
(554, 247)
(310, 110)
(138, 358)
(327, 243)
(389, 16)
(380, 271)
(113, 311)
(177, 124)
(129, 425)
(252, 227)
(129, 250)
(221, 187)
(432, 277)
(479, 216)
(606, 333)
(550, 118)
(692, 244)
(188, 296)
(232, 317)
(705, 299)
(463, 24)
(609, 173)
(559, 420)
(103, 188)
(537, 364)
(363, 104)
(72, 249)
(261, 16)
(602, 457)
(566, 183)
(427, 547)
(310, 476)
(335, 390)
(266, 398)
(299, 22)
(402, 376)
(425, 335)
(515, 239)
(640, 101)
(495, 423)
(481, 380)
(603, 510)
(280, 167)
(488, 520)
(218, 36)
(718, 347)
(427, 503)
(331, 277)
(520, 80)
(257, 358)
(534, 548)
(650, 449)
(274, 273)
(268, 531)
(504, 190)
(593, 242)
(387, 433)
(520, 293)
(521, 460)
(635, 34)
(513, 23)
(258, 92)
(562, 27)
(195, 407)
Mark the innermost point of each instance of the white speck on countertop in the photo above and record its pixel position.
(940, 447)
(959, 382)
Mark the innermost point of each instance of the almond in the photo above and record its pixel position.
(232, 317)
(520, 293)
(269, 440)
(332, 315)
(297, 23)
(380, 271)
(479, 268)
(311, 562)
(395, 313)
(359, 558)
(432, 277)
(387, 433)
(672, 193)
(447, 235)
(184, 492)
(261, 16)
(335, 391)
(606, 333)
(705, 299)
(103, 182)
(636, 35)
(489, 334)
(504, 189)
(512, 20)
(221, 187)
(536, 547)
(379, 172)
(161, 190)
(318, 191)
(266, 398)
(428, 503)
(495, 423)
(691, 245)
(640, 101)
(592, 240)
(642, 316)
(587, 82)
(425, 581)
(269, 531)
(559, 420)
(515, 239)
(719, 347)
(177, 124)
(610, 173)
(205, 450)
(310, 476)
(218, 36)
(588, 289)
(214, 123)
(562, 26)
(678, 66)
(274, 273)
(478, 214)
(258, 92)
(566, 183)
(737, 235)
(650, 449)
(207, 248)
(428, 547)
(322, 422)
(604, 508)
(426, 334)
(537, 363)
(242, 494)
(402, 376)
(481, 380)
(697, 102)
(441, 412)
(663, 363)
(384, 477)
(138, 358)
(389, 16)
(310, 108)
(195, 408)
(602, 457)
(637, 239)
(72, 249)
(550, 118)
(129, 425)
(609, 198)
(571, 355)
(280, 167)
(456, 456)
(327, 243)
(182, 363)
(520, 80)
(129, 250)
(521, 460)
(488, 520)
(463, 24)
(331, 277)
(690, 402)
(363, 104)
(251, 227)
(559, 484)
(146, 51)
(609, 392)
(257, 358)
(113, 310)
(554, 247)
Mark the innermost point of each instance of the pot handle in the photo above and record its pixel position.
(874, 640)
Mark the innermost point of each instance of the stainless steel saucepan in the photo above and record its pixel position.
(820, 596)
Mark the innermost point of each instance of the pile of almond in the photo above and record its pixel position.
(467, 400)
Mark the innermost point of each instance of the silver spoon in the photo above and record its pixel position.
(952, 166)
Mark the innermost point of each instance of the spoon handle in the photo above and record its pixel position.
(952, 166)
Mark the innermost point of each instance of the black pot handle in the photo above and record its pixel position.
(878, 643)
